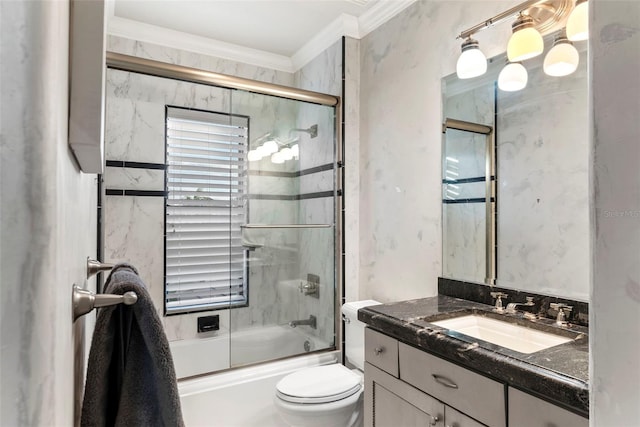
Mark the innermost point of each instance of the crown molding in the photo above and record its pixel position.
(381, 12)
(130, 29)
(344, 25)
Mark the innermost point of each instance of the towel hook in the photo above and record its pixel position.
(84, 301)
(95, 266)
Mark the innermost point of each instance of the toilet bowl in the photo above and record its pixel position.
(330, 395)
(322, 396)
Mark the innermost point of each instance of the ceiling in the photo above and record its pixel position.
(263, 32)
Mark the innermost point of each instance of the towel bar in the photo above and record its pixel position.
(95, 266)
(84, 301)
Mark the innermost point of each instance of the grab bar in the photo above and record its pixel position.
(84, 301)
(95, 266)
(256, 226)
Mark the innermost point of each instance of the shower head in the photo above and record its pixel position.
(312, 131)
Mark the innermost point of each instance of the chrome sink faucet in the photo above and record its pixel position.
(311, 321)
(498, 296)
(511, 307)
(563, 310)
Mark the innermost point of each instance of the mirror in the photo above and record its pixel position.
(540, 181)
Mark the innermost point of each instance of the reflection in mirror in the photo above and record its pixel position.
(542, 215)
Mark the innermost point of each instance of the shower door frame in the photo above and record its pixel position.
(118, 61)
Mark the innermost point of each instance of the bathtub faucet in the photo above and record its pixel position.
(311, 321)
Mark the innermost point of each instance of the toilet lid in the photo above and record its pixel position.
(321, 384)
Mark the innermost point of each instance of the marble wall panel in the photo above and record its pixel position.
(615, 231)
(134, 179)
(48, 212)
(195, 60)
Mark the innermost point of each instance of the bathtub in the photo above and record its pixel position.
(229, 350)
(241, 397)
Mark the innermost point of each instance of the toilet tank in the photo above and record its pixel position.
(354, 332)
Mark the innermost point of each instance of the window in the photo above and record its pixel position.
(205, 207)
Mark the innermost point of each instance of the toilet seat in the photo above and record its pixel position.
(321, 384)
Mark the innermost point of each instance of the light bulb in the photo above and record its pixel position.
(253, 155)
(562, 59)
(277, 158)
(513, 77)
(286, 153)
(525, 42)
(262, 151)
(270, 146)
(578, 22)
(472, 62)
(296, 150)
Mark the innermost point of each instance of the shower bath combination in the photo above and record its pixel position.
(267, 225)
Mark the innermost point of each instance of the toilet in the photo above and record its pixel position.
(329, 395)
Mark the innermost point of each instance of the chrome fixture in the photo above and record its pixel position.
(563, 311)
(311, 321)
(95, 267)
(84, 301)
(312, 131)
(472, 62)
(498, 297)
(511, 307)
(311, 286)
(533, 19)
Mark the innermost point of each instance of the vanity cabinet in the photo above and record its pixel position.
(400, 389)
(526, 410)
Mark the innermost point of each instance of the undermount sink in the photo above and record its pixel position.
(505, 334)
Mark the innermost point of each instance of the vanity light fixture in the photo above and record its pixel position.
(513, 77)
(525, 42)
(270, 146)
(472, 62)
(578, 22)
(253, 155)
(286, 153)
(277, 158)
(562, 59)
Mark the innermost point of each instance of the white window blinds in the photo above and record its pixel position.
(205, 207)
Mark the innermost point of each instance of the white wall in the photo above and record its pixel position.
(48, 213)
(615, 232)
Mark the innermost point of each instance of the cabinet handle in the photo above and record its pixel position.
(434, 420)
(444, 381)
(378, 350)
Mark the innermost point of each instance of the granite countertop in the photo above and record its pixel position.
(559, 373)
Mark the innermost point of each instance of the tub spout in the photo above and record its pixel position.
(311, 321)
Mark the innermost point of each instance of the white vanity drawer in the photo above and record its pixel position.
(381, 351)
(471, 393)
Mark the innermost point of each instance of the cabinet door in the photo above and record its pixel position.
(526, 410)
(453, 418)
(390, 402)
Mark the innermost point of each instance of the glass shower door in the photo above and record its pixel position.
(289, 234)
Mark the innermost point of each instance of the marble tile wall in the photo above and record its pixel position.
(48, 211)
(615, 232)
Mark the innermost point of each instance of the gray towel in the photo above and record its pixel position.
(131, 379)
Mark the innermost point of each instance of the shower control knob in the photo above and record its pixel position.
(378, 351)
